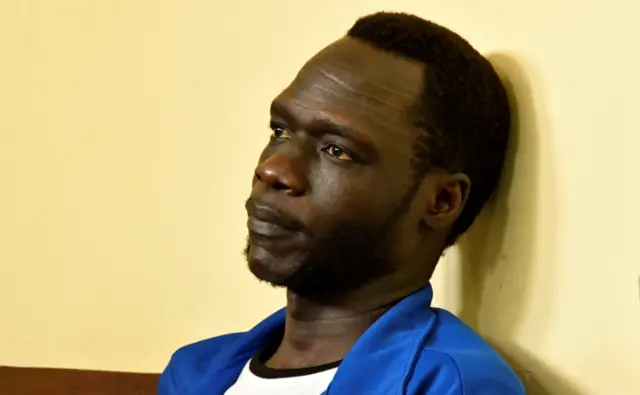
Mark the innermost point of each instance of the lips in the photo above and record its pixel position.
(267, 222)
(267, 229)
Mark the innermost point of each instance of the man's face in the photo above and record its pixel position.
(330, 207)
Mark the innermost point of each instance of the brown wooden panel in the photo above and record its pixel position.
(43, 381)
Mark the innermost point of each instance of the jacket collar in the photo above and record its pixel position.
(388, 348)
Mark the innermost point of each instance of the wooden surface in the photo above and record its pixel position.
(42, 381)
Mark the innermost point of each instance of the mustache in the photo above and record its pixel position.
(274, 215)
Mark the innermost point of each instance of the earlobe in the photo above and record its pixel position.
(448, 194)
(465, 187)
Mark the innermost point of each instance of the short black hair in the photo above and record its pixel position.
(463, 109)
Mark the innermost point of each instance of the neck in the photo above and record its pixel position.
(321, 332)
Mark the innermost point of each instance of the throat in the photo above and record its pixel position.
(320, 342)
(269, 363)
(318, 333)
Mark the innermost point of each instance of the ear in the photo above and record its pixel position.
(446, 196)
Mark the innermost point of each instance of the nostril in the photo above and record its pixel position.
(279, 186)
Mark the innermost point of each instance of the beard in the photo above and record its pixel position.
(333, 265)
(348, 259)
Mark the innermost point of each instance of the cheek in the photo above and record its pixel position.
(338, 199)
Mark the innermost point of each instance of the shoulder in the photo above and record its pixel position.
(454, 360)
(197, 356)
(188, 363)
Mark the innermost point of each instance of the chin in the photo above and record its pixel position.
(275, 270)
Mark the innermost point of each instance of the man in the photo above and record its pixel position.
(383, 150)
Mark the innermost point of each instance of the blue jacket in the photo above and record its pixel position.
(413, 349)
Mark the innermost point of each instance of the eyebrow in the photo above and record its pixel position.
(323, 125)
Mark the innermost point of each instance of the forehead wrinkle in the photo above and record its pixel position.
(408, 94)
(409, 97)
(370, 112)
(359, 103)
(367, 99)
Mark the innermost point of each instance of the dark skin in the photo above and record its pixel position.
(339, 163)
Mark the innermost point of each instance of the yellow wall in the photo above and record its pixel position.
(128, 135)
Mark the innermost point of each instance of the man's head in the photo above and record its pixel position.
(383, 150)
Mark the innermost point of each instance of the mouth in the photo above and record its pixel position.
(269, 223)
(267, 229)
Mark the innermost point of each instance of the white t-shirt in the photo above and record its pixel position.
(253, 381)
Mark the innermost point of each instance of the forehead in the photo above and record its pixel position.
(356, 85)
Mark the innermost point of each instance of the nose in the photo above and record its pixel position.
(280, 173)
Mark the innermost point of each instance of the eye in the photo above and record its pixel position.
(337, 152)
(279, 132)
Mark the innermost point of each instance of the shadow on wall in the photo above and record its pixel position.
(509, 246)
